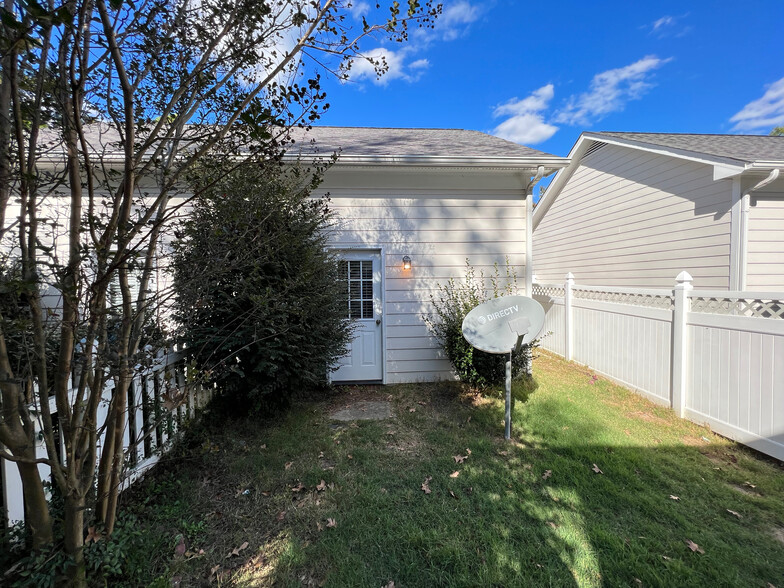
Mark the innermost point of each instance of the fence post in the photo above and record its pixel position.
(568, 318)
(679, 341)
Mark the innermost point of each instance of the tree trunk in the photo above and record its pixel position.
(74, 539)
(37, 516)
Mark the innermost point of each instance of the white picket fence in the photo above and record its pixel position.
(149, 432)
(716, 357)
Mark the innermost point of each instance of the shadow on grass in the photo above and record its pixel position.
(406, 501)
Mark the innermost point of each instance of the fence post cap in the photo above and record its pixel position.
(570, 277)
(684, 278)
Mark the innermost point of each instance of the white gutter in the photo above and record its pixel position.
(744, 223)
(436, 161)
(529, 230)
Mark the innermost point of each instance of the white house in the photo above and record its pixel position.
(636, 209)
(433, 197)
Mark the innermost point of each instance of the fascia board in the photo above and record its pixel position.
(670, 151)
(550, 163)
(560, 179)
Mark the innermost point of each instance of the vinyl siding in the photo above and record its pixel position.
(636, 219)
(765, 257)
(439, 220)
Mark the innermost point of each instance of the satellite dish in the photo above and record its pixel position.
(502, 324)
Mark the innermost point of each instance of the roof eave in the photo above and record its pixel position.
(551, 163)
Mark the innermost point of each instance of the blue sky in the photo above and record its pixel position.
(541, 73)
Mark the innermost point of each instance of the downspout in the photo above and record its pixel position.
(744, 224)
(529, 230)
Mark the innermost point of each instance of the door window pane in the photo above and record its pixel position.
(359, 287)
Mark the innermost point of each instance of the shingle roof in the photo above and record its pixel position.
(745, 148)
(381, 142)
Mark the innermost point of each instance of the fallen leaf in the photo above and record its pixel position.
(422, 403)
(179, 551)
(628, 432)
(237, 550)
(468, 421)
(693, 546)
(452, 494)
(412, 410)
(596, 469)
(298, 488)
(593, 379)
(331, 485)
(321, 486)
(337, 441)
(264, 446)
(673, 497)
(749, 485)
(350, 456)
(331, 523)
(390, 585)
(319, 526)
(281, 515)
(637, 582)
(547, 474)
(468, 451)
(288, 465)
(426, 485)
(93, 535)
(321, 455)
(735, 514)
(665, 558)
(552, 524)
(214, 570)
(504, 453)
(454, 474)
(383, 491)
(528, 466)
(265, 493)
(459, 458)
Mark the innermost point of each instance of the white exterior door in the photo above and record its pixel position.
(363, 362)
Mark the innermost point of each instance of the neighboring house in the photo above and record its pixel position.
(432, 196)
(636, 209)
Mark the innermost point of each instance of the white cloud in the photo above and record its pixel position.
(405, 63)
(455, 19)
(526, 122)
(667, 26)
(610, 91)
(359, 9)
(762, 113)
(662, 22)
(397, 67)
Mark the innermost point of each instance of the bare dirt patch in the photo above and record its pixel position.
(648, 417)
(778, 533)
(748, 491)
(364, 410)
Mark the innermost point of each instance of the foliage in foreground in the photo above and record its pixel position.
(436, 497)
(454, 301)
(259, 298)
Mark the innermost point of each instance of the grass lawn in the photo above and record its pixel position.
(598, 488)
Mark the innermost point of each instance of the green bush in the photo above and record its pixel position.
(259, 299)
(453, 303)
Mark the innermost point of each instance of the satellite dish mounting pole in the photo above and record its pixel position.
(508, 415)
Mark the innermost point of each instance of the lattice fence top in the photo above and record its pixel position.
(551, 290)
(755, 307)
(634, 298)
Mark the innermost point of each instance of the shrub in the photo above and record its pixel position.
(453, 303)
(259, 298)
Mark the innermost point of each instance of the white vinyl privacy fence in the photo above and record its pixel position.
(160, 402)
(715, 356)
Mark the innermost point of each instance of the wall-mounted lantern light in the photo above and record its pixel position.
(406, 262)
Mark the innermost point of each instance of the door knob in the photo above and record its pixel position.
(378, 321)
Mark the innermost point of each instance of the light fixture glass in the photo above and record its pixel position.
(406, 262)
